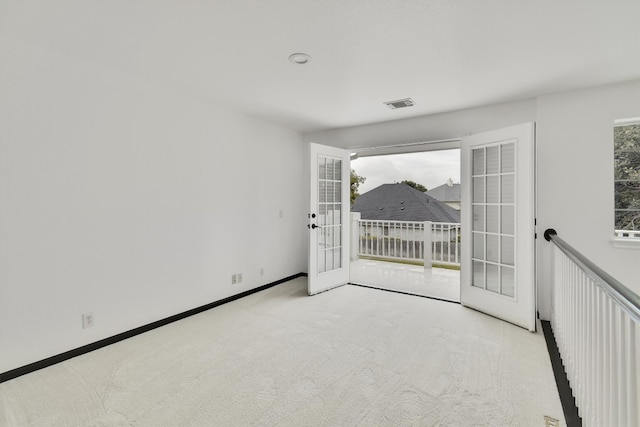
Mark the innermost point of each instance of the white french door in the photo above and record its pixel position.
(498, 224)
(328, 218)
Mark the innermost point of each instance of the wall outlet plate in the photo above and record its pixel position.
(87, 320)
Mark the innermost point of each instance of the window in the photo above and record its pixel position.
(626, 142)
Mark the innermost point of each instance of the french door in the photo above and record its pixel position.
(328, 218)
(498, 224)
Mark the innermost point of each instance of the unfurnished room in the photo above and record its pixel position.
(181, 242)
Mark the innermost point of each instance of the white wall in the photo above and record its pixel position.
(574, 170)
(132, 201)
(575, 178)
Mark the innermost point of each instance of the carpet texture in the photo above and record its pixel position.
(348, 357)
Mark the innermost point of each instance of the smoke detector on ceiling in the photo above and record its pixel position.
(401, 103)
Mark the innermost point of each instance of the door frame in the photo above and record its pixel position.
(410, 149)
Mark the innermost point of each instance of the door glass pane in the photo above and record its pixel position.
(322, 215)
(329, 187)
(508, 281)
(337, 191)
(508, 157)
(322, 240)
(507, 250)
(492, 219)
(478, 245)
(493, 195)
(337, 169)
(322, 191)
(478, 274)
(322, 265)
(492, 247)
(337, 214)
(508, 189)
(328, 235)
(478, 218)
(337, 236)
(493, 281)
(478, 190)
(329, 216)
(329, 173)
(337, 258)
(507, 220)
(478, 161)
(329, 259)
(322, 165)
(493, 159)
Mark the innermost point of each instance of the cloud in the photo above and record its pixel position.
(430, 169)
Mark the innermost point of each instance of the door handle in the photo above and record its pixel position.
(313, 226)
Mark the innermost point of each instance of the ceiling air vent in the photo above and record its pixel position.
(401, 103)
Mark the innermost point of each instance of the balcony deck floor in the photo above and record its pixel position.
(414, 279)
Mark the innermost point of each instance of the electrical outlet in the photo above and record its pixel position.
(234, 279)
(87, 320)
(239, 277)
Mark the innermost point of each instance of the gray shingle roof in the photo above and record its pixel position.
(446, 193)
(401, 202)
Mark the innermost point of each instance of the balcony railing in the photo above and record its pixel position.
(596, 322)
(406, 240)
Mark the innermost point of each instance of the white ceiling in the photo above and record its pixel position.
(445, 55)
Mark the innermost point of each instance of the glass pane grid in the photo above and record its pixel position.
(493, 228)
(329, 214)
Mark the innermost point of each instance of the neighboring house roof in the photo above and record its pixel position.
(448, 192)
(401, 202)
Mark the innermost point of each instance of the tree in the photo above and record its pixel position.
(356, 180)
(415, 185)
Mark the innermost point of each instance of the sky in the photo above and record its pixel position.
(430, 169)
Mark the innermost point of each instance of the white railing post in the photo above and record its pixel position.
(428, 252)
(355, 236)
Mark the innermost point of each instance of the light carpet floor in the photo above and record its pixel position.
(348, 357)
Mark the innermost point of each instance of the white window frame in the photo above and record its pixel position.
(624, 238)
